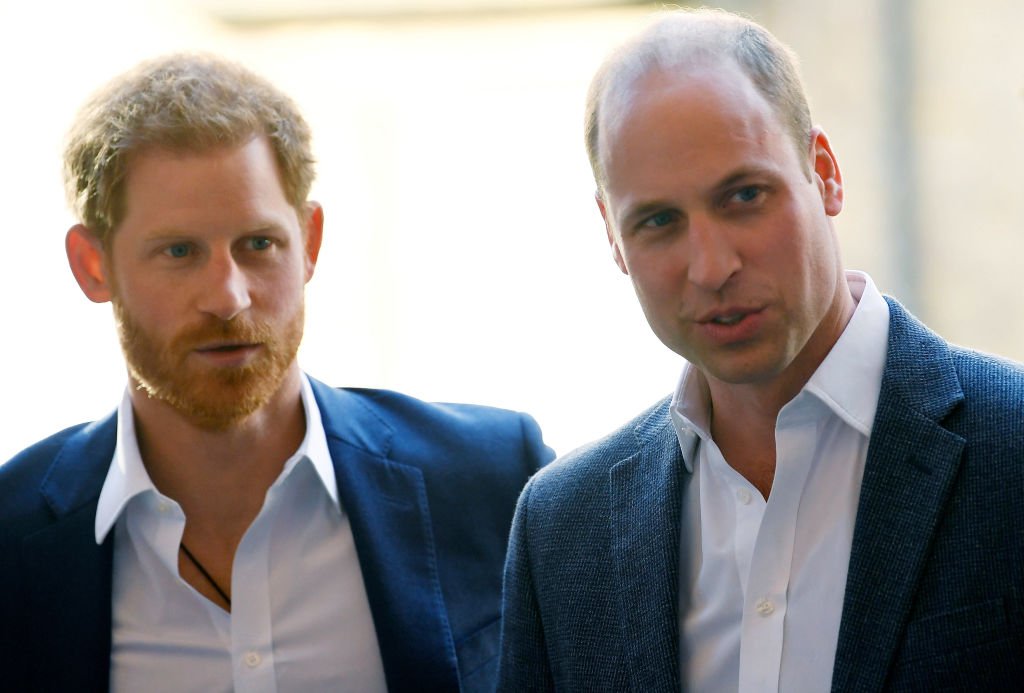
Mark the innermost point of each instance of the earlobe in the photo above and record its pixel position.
(826, 170)
(86, 259)
(616, 251)
(314, 228)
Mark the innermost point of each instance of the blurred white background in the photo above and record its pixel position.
(464, 258)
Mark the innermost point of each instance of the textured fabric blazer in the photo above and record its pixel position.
(429, 491)
(934, 593)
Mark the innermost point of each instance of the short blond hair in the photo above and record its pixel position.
(179, 102)
(682, 39)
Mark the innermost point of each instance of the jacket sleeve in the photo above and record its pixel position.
(524, 664)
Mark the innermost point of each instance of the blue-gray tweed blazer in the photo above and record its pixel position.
(935, 593)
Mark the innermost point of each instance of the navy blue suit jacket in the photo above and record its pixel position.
(429, 491)
(935, 592)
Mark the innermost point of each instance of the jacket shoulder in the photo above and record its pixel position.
(988, 376)
(21, 479)
(993, 403)
(417, 424)
(447, 439)
(584, 471)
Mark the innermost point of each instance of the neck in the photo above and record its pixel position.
(744, 415)
(220, 477)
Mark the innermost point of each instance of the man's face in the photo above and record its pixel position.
(723, 226)
(207, 271)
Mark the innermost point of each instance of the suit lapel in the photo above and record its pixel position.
(646, 499)
(910, 466)
(67, 576)
(386, 503)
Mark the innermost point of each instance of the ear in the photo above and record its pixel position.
(314, 228)
(616, 250)
(826, 172)
(86, 257)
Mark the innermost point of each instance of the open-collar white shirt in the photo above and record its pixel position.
(300, 619)
(762, 583)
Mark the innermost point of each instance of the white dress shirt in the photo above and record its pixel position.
(300, 619)
(762, 583)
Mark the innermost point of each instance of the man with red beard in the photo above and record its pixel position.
(235, 524)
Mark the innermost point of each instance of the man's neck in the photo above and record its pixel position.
(744, 415)
(220, 477)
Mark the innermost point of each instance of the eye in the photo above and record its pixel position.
(659, 220)
(746, 194)
(260, 243)
(178, 250)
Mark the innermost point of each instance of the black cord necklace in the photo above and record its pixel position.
(206, 574)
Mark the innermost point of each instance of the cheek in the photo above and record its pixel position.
(278, 301)
(150, 306)
(657, 269)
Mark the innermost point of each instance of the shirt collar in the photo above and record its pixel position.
(848, 381)
(127, 476)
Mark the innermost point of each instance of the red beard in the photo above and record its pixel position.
(212, 398)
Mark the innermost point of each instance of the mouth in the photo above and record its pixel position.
(731, 326)
(228, 354)
(730, 319)
(229, 347)
(728, 316)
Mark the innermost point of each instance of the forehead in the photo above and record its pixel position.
(252, 157)
(224, 189)
(230, 178)
(697, 117)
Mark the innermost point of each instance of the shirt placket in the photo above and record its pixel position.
(767, 582)
(252, 653)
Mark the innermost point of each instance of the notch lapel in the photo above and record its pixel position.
(386, 503)
(911, 463)
(646, 499)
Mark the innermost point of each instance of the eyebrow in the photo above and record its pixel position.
(261, 227)
(634, 214)
(741, 175)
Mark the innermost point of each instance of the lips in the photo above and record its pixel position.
(228, 354)
(731, 319)
(225, 347)
(726, 316)
(730, 325)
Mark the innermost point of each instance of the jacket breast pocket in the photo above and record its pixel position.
(972, 648)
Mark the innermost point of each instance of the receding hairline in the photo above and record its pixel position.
(685, 40)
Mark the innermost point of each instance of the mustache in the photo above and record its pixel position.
(214, 331)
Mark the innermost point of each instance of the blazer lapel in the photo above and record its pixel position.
(68, 577)
(646, 498)
(386, 503)
(910, 465)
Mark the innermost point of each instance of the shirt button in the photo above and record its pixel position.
(743, 496)
(253, 659)
(765, 607)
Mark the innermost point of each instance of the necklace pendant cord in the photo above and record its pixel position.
(206, 574)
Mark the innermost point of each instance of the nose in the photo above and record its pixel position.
(224, 292)
(713, 259)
